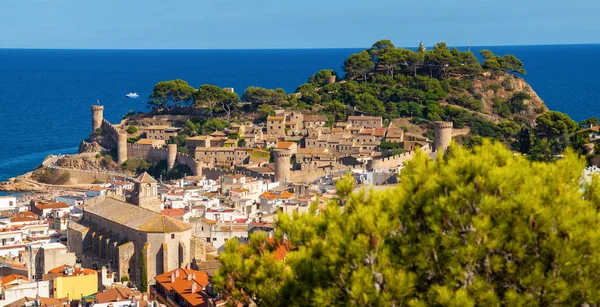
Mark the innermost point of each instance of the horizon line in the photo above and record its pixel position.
(291, 48)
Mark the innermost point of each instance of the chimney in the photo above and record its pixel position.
(194, 287)
(190, 276)
(172, 277)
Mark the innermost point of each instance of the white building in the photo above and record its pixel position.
(8, 203)
(19, 288)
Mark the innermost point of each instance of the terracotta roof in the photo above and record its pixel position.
(97, 188)
(115, 295)
(59, 272)
(135, 217)
(285, 145)
(145, 178)
(12, 277)
(350, 118)
(44, 302)
(276, 118)
(270, 195)
(173, 212)
(183, 286)
(149, 142)
(281, 250)
(61, 205)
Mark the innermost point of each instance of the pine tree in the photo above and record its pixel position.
(477, 226)
(144, 270)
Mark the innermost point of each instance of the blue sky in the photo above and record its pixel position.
(224, 24)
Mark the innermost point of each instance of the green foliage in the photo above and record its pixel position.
(132, 140)
(587, 123)
(466, 101)
(156, 169)
(477, 227)
(124, 278)
(214, 99)
(321, 78)
(213, 125)
(259, 95)
(98, 131)
(98, 155)
(51, 176)
(507, 63)
(171, 94)
(358, 65)
(143, 270)
(264, 111)
(132, 129)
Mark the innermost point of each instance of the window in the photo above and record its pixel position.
(202, 228)
(226, 239)
(214, 239)
(10, 203)
(172, 236)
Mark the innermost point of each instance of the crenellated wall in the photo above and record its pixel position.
(395, 161)
(110, 135)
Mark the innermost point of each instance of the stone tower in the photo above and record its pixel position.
(331, 79)
(97, 117)
(171, 156)
(281, 157)
(198, 168)
(443, 135)
(145, 192)
(122, 147)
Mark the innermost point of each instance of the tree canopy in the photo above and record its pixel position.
(169, 94)
(476, 227)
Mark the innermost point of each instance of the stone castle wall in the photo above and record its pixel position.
(110, 135)
(395, 161)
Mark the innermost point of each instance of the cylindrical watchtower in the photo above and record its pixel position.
(281, 157)
(331, 79)
(122, 147)
(198, 169)
(97, 117)
(171, 156)
(443, 135)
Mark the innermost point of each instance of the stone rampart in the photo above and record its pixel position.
(395, 161)
(110, 135)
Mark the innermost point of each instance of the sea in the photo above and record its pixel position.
(45, 95)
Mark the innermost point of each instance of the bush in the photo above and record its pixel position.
(124, 278)
(51, 176)
(132, 140)
(98, 131)
(132, 129)
(98, 156)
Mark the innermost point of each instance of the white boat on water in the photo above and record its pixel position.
(132, 95)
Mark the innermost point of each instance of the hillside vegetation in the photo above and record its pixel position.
(484, 98)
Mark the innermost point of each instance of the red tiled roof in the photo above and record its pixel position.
(12, 277)
(271, 195)
(281, 249)
(173, 212)
(115, 295)
(285, 145)
(97, 188)
(59, 205)
(183, 286)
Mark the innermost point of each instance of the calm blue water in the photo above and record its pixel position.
(45, 95)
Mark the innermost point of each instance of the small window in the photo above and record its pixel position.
(172, 236)
(202, 228)
(214, 239)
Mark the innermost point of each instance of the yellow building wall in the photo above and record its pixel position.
(74, 287)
